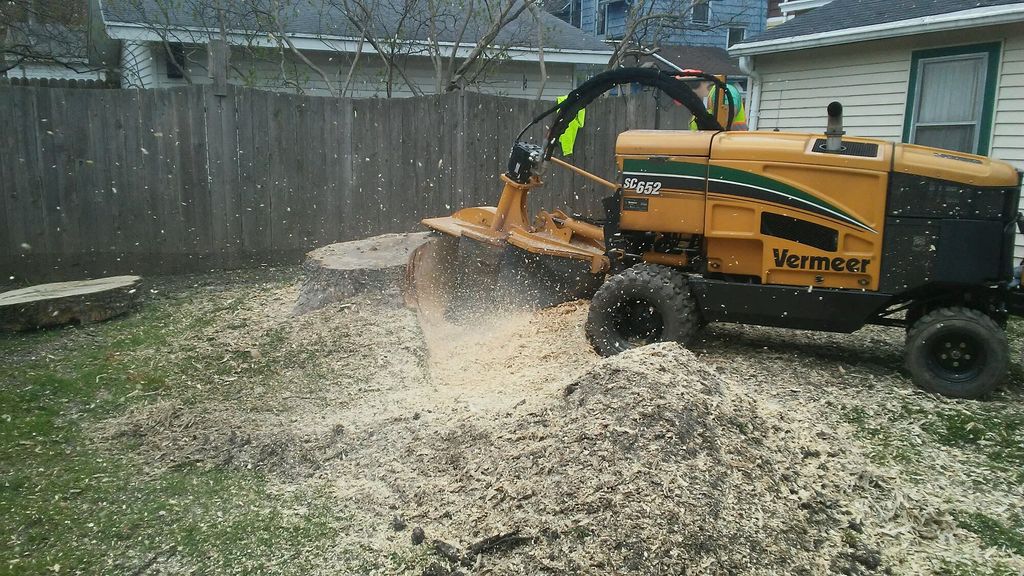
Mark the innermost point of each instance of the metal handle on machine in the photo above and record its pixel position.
(585, 174)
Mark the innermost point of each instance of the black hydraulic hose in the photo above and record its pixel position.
(667, 82)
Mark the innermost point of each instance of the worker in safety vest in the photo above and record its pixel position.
(568, 138)
(709, 92)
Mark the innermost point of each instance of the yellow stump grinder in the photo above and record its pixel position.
(806, 231)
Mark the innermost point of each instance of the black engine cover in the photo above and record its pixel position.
(940, 232)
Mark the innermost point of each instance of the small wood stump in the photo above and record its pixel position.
(339, 271)
(59, 303)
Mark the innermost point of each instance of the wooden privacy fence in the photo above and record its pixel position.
(96, 182)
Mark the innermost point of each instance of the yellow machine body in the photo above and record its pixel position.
(769, 208)
(720, 186)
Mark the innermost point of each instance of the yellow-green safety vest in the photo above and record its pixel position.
(568, 138)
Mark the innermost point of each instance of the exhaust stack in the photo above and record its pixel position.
(834, 130)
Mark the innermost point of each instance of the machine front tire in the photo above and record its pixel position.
(644, 304)
(957, 352)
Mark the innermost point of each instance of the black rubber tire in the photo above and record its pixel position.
(662, 295)
(957, 352)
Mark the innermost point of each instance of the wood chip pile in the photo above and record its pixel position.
(652, 464)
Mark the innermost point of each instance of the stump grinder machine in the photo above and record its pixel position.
(806, 231)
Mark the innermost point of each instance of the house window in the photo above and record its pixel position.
(602, 18)
(701, 13)
(574, 12)
(951, 97)
(614, 17)
(736, 35)
(176, 60)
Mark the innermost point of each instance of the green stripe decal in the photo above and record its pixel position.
(742, 177)
(665, 167)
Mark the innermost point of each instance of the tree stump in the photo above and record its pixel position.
(59, 303)
(339, 271)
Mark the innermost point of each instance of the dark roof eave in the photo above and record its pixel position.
(974, 18)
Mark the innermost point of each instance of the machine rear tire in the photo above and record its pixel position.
(644, 304)
(957, 352)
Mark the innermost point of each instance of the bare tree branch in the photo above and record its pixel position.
(45, 32)
(470, 14)
(352, 68)
(358, 19)
(510, 10)
(540, 51)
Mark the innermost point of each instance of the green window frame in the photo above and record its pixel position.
(992, 51)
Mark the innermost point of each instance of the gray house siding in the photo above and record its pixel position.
(750, 15)
(146, 65)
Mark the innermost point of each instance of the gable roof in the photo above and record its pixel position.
(326, 24)
(49, 40)
(847, 21)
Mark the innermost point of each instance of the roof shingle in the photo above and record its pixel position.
(323, 18)
(843, 14)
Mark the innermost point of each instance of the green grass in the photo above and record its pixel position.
(886, 445)
(994, 533)
(70, 505)
(994, 431)
(964, 568)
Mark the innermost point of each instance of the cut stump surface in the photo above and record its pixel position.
(339, 271)
(60, 303)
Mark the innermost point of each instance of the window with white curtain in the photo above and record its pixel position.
(951, 97)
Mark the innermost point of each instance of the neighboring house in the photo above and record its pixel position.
(51, 51)
(165, 45)
(775, 15)
(947, 73)
(708, 59)
(789, 9)
(716, 23)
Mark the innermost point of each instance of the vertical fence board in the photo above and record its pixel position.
(11, 230)
(141, 209)
(258, 192)
(50, 173)
(344, 160)
(88, 168)
(117, 111)
(196, 187)
(247, 167)
(362, 112)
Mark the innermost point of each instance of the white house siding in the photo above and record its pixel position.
(871, 80)
(870, 84)
(508, 78)
(53, 72)
(1008, 133)
(137, 65)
